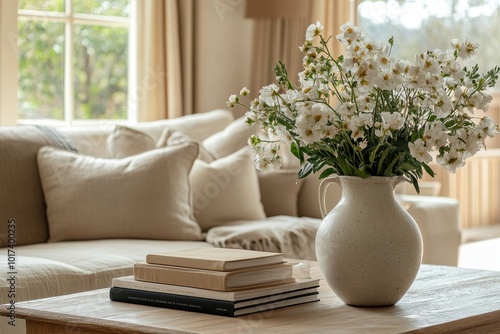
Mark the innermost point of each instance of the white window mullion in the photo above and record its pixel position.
(69, 96)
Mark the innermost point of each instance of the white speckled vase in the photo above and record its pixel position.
(368, 247)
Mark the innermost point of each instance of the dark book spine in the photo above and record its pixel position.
(177, 302)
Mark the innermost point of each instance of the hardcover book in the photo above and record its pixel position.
(215, 280)
(129, 282)
(221, 259)
(211, 306)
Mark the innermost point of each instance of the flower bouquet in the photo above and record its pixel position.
(366, 113)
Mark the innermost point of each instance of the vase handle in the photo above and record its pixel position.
(323, 186)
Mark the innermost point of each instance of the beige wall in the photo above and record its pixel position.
(222, 52)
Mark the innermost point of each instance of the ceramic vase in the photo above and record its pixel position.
(368, 247)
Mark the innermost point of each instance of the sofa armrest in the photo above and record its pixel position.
(439, 221)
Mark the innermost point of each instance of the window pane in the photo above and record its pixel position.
(41, 73)
(46, 5)
(100, 72)
(423, 25)
(98, 7)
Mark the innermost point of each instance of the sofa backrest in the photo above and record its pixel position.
(92, 140)
(21, 194)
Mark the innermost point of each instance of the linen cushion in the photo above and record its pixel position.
(21, 195)
(233, 138)
(124, 142)
(225, 190)
(145, 196)
(172, 137)
(279, 189)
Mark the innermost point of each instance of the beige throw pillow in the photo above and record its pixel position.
(173, 137)
(226, 190)
(233, 138)
(146, 196)
(124, 142)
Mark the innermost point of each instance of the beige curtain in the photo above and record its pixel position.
(276, 39)
(279, 37)
(331, 14)
(164, 79)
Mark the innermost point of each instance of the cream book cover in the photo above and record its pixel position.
(221, 259)
(212, 279)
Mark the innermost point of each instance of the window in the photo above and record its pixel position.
(73, 60)
(420, 25)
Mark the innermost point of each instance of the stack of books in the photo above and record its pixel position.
(229, 282)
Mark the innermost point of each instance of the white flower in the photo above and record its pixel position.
(465, 49)
(244, 91)
(306, 133)
(392, 121)
(419, 151)
(233, 99)
(435, 134)
(319, 114)
(268, 94)
(386, 79)
(265, 154)
(451, 161)
(313, 30)
(487, 127)
(442, 105)
(349, 33)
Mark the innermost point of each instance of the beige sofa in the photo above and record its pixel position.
(82, 218)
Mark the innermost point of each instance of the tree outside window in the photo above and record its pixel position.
(73, 59)
(420, 25)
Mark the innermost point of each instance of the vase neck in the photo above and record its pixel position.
(372, 188)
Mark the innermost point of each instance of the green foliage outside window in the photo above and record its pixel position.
(99, 63)
(431, 24)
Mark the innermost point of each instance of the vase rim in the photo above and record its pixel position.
(396, 179)
(367, 178)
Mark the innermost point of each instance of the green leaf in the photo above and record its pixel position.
(414, 180)
(327, 172)
(382, 159)
(388, 170)
(361, 173)
(295, 149)
(428, 170)
(344, 166)
(305, 170)
(406, 167)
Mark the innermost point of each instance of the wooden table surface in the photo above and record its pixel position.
(441, 300)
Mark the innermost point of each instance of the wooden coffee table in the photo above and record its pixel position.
(441, 300)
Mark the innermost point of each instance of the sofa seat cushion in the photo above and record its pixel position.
(51, 269)
(292, 236)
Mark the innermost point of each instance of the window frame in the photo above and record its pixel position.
(9, 114)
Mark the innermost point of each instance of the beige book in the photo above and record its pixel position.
(222, 259)
(215, 280)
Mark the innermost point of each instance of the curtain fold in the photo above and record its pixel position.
(279, 38)
(276, 39)
(164, 59)
(331, 14)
